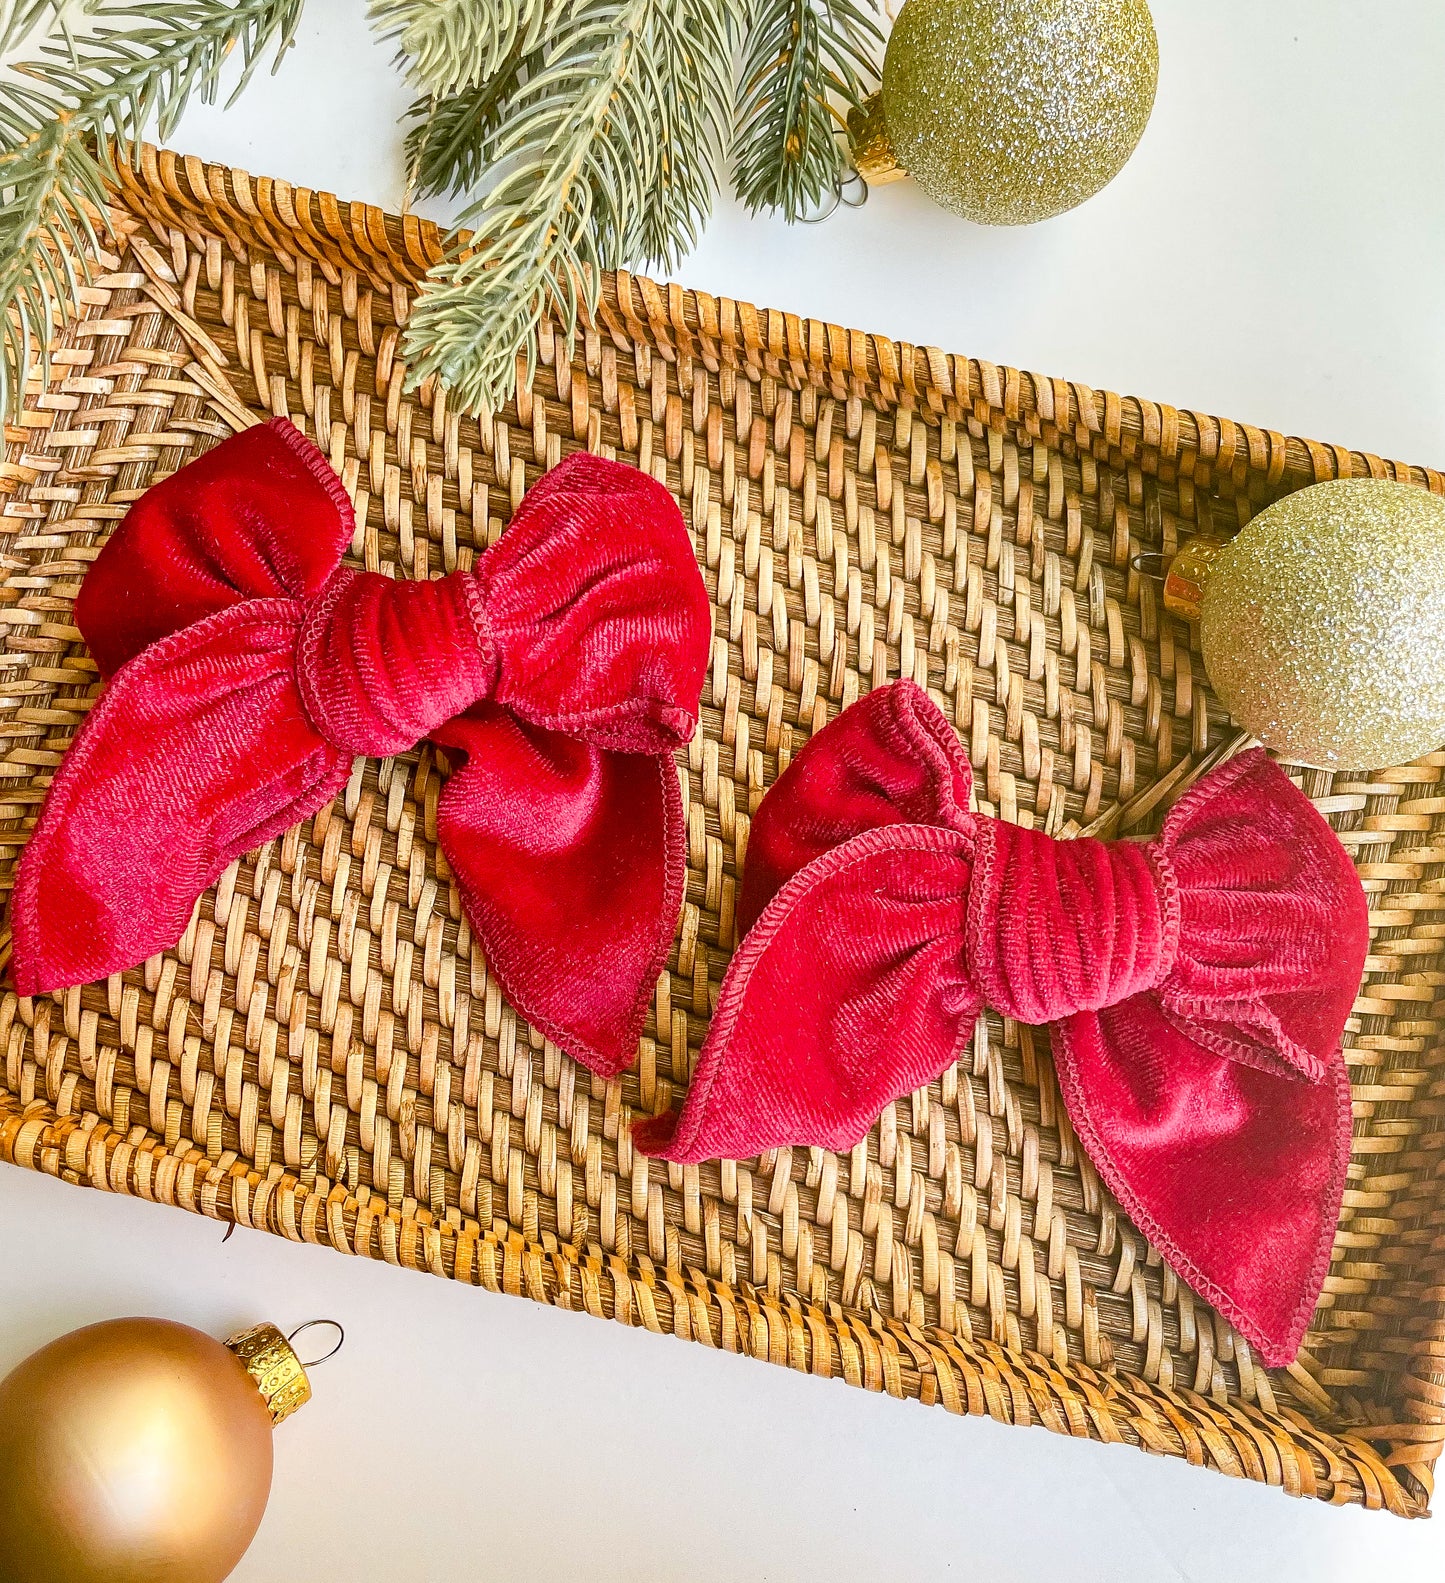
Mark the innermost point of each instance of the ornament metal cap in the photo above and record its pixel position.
(868, 142)
(1186, 577)
(272, 1363)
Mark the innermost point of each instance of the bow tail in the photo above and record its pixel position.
(1234, 1171)
(197, 751)
(571, 864)
(847, 993)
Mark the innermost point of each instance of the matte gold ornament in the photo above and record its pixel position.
(1323, 622)
(1009, 111)
(139, 1451)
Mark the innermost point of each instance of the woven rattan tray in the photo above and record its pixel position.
(324, 1055)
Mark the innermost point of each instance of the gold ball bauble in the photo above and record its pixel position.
(1323, 624)
(1009, 111)
(135, 1451)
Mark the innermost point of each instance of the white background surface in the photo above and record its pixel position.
(1272, 253)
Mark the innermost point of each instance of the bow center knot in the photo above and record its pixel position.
(1058, 927)
(383, 662)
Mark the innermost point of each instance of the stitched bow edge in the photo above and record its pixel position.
(660, 1135)
(319, 466)
(1276, 1352)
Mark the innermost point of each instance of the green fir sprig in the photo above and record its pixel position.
(449, 142)
(598, 141)
(72, 109)
(117, 81)
(453, 45)
(51, 195)
(807, 63)
(586, 135)
(609, 154)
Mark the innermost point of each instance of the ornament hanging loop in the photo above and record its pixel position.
(830, 204)
(848, 192)
(853, 193)
(1183, 575)
(325, 1357)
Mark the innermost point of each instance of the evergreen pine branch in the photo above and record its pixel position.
(447, 143)
(689, 122)
(806, 64)
(455, 45)
(51, 190)
(116, 80)
(609, 155)
(92, 93)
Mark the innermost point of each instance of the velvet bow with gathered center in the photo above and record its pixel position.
(245, 668)
(1196, 987)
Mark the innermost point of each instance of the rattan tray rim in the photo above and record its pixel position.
(308, 229)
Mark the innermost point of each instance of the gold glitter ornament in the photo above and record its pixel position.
(1323, 623)
(1009, 111)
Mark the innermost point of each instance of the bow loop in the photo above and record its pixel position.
(600, 618)
(260, 517)
(889, 759)
(1273, 923)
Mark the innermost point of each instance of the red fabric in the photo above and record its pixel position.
(1197, 988)
(246, 667)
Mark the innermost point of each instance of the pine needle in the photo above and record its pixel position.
(806, 64)
(20, 18)
(608, 155)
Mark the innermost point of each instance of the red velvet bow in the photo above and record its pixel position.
(246, 667)
(1197, 987)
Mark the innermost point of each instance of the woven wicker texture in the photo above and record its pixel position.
(324, 1055)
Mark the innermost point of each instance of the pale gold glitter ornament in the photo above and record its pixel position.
(1323, 624)
(1009, 111)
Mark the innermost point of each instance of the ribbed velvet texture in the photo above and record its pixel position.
(245, 668)
(1196, 987)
